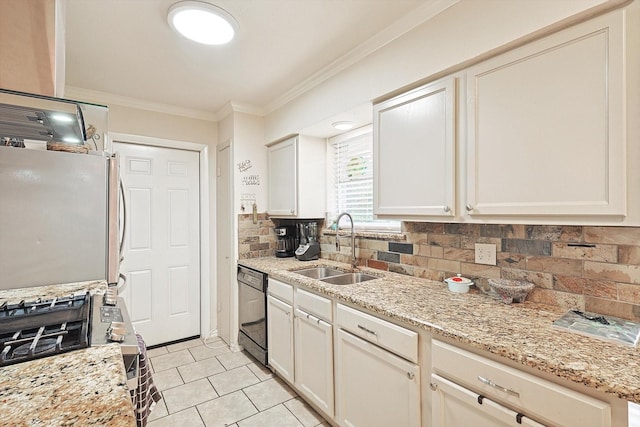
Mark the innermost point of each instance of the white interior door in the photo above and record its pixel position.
(224, 227)
(162, 245)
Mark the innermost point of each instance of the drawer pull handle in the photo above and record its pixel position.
(367, 330)
(499, 387)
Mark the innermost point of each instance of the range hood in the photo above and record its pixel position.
(25, 116)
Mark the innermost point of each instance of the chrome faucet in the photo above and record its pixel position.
(353, 238)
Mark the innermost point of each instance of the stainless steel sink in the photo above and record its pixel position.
(349, 278)
(319, 272)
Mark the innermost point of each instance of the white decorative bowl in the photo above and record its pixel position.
(511, 290)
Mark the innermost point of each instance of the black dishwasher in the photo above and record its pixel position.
(252, 309)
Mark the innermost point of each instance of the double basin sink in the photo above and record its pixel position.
(334, 276)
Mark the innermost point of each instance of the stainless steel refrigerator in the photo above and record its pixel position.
(58, 217)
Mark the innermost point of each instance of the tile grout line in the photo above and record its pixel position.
(249, 363)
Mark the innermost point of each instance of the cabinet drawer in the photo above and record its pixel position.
(394, 338)
(280, 290)
(535, 397)
(314, 304)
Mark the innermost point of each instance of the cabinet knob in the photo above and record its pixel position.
(469, 207)
(447, 209)
(411, 375)
(292, 211)
(433, 386)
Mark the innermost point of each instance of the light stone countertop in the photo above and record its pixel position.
(80, 387)
(14, 296)
(522, 333)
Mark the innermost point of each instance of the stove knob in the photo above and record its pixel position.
(116, 332)
(111, 296)
(114, 337)
(116, 325)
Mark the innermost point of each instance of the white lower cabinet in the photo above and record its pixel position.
(374, 387)
(469, 389)
(280, 337)
(314, 360)
(454, 405)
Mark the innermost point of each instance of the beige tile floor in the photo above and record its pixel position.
(206, 384)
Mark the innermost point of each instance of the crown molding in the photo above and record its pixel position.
(235, 107)
(400, 27)
(125, 101)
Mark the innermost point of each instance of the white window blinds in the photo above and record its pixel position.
(351, 179)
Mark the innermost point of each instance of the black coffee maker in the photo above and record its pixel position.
(286, 241)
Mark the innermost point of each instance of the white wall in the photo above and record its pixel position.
(466, 30)
(161, 125)
(250, 163)
(249, 166)
(246, 132)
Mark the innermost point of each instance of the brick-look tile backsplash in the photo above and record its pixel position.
(255, 240)
(590, 268)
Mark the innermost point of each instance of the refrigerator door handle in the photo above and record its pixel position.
(123, 281)
(124, 220)
(113, 242)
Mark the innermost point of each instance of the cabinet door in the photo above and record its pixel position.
(283, 177)
(546, 126)
(374, 388)
(455, 406)
(314, 360)
(413, 140)
(280, 337)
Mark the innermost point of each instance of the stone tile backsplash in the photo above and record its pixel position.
(255, 240)
(589, 268)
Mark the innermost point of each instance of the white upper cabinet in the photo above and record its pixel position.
(414, 152)
(282, 178)
(297, 177)
(545, 127)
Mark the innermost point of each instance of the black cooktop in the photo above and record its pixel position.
(40, 328)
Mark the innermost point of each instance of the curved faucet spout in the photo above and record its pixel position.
(353, 237)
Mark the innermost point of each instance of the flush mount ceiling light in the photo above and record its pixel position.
(344, 125)
(202, 22)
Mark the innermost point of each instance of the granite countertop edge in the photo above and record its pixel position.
(523, 333)
(84, 387)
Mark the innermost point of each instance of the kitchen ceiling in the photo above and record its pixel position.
(126, 49)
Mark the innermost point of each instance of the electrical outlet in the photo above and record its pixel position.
(485, 253)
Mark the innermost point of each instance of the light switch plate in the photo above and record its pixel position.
(485, 253)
